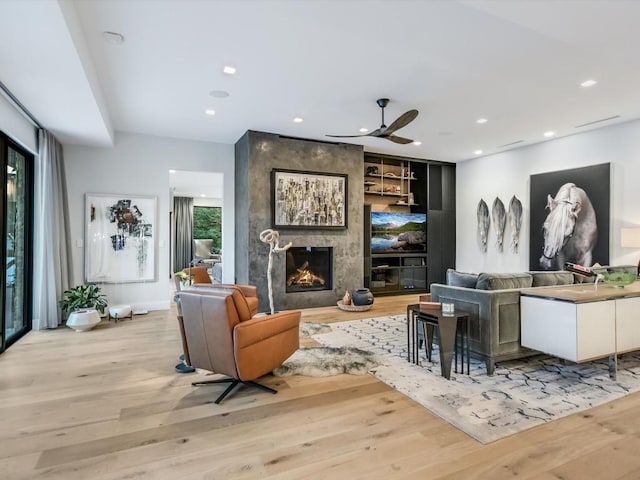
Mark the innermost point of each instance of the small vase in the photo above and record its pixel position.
(346, 300)
(362, 296)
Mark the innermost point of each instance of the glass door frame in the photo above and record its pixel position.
(5, 144)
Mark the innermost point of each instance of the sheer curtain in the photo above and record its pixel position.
(52, 272)
(183, 212)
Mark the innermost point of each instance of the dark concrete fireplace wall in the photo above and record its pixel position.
(256, 154)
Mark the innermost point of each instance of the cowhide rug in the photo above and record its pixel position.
(327, 361)
(307, 329)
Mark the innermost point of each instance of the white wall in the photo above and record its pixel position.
(507, 173)
(139, 165)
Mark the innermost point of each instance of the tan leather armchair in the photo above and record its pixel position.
(220, 336)
(249, 292)
(199, 274)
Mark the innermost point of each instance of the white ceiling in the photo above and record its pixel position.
(196, 184)
(517, 63)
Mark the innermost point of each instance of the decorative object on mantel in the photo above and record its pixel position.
(346, 299)
(483, 223)
(499, 220)
(515, 220)
(272, 238)
(353, 308)
(361, 297)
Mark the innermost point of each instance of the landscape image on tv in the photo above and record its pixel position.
(398, 232)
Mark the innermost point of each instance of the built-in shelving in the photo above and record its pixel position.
(407, 185)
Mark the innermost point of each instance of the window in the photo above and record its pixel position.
(16, 194)
(207, 223)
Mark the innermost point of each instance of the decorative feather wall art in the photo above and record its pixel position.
(499, 220)
(483, 223)
(515, 220)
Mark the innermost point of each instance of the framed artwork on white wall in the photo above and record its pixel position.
(120, 238)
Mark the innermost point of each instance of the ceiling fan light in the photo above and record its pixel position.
(417, 142)
(364, 130)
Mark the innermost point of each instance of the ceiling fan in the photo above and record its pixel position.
(387, 132)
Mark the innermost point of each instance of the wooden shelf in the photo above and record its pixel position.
(387, 194)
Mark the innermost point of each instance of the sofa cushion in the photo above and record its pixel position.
(549, 278)
(461, 279)
(501, 281)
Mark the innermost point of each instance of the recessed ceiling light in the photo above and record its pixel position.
(229, 70)
(417, 142)
(113, 38)
(364, 130)
(298, 120)
(210, 111)
(219, 93)
(588, 83)
(477, 152)
(481, 120)
(202, 195)
(549, 133)
(172, 171)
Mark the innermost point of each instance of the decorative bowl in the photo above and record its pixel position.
(618, 279)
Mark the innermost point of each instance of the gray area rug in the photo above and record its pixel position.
(520, 395)
(327, 361)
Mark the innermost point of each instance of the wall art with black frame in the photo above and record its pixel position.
(308, 200)
(570, 214)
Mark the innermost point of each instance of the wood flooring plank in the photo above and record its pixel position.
(107, 405)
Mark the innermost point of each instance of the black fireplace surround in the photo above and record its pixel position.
(309, 269)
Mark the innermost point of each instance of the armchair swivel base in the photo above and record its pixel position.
(234, 382)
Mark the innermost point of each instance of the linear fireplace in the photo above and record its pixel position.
(309, 269)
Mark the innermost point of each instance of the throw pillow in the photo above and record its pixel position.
(501, 281)
(546, 278)
(461, 279)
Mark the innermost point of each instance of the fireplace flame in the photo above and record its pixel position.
(305, 278)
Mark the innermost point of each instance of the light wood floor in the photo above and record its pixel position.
(106, 404)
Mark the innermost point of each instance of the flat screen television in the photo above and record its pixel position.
(398, 232)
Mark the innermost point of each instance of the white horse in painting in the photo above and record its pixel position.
(570, 230)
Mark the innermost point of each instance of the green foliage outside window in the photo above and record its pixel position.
(207, 223)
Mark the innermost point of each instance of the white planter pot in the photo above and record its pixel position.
(83, 320)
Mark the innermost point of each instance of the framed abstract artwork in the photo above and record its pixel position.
(120, 238)
(308, 200)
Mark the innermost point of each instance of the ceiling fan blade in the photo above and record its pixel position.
(402, 121)
(397, 139)
(346, 136)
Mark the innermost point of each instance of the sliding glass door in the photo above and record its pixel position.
(16, 166)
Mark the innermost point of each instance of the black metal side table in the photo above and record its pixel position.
(448, 334)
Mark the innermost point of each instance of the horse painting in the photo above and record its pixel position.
(570, 229)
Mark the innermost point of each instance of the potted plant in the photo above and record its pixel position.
(83, 303)
(185, 278)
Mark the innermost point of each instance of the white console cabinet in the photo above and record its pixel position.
(581, 323)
